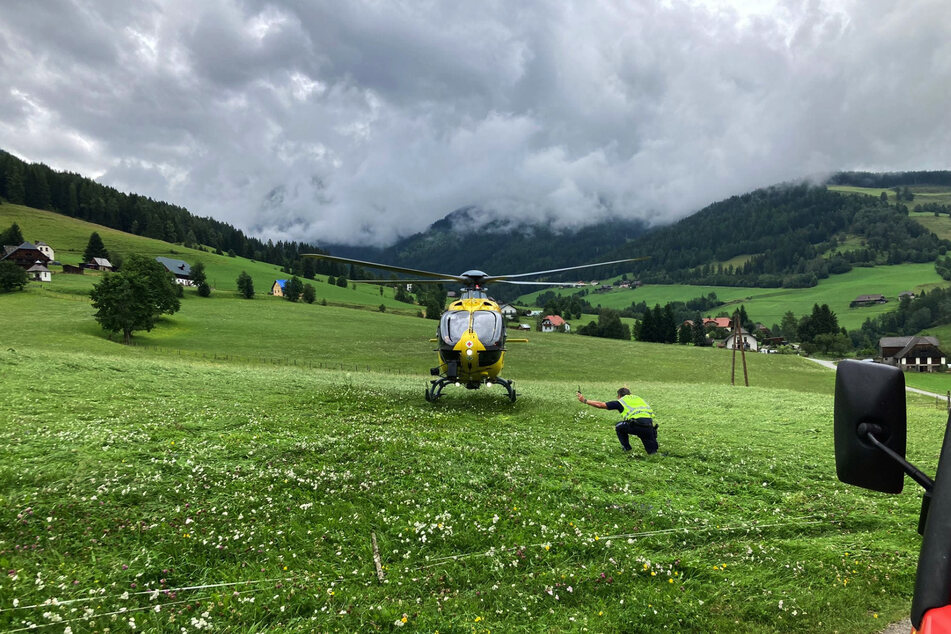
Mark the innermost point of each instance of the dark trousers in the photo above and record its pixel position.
(643, 428)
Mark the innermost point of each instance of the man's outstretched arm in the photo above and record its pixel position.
(598, 404)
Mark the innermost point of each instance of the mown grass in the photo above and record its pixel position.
(128, 477)
(768, 305)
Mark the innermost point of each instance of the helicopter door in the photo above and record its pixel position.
(453, 325)
(487, 325)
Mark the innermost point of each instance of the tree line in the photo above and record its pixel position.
(37, 185)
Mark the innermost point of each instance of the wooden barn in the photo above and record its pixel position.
(98, 264)
(912, 354)
(24, 255)
(867, 300)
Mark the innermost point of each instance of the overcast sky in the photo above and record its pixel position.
(363, 121)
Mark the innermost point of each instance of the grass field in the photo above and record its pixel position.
(768, 305)
(230, 472)
(68, 237)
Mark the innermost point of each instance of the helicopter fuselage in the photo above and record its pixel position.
(471, 337)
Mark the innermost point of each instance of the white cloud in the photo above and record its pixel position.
(327, 121)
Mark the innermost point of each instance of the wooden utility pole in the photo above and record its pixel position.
(738, 342)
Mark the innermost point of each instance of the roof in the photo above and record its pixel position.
(102, 262)
(178, 267)
(38, 268)
(41, 244)
(9, 249)
(280, 283)
(902, 342)
(868, 298)
(554, 320)
(721, 322)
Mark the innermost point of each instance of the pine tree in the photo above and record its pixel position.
(12, 236)
(293, 289)
(95, 248)
(245, 285)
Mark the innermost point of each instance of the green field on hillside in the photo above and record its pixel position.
(768, 305)
(924, 194)
(68, 237)
(232, 469)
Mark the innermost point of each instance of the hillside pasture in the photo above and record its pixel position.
(768, 305)
(68, 237)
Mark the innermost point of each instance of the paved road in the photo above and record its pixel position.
(831, 366)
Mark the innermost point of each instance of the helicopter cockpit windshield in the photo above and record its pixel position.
(487, 325)
(452, 325)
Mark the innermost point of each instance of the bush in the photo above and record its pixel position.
(12, 277)
(309, 294)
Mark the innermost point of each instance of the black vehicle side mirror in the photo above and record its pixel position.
(870, 401)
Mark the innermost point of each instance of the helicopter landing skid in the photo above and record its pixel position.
(434, 391)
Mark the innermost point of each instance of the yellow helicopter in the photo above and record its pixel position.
(471, 331)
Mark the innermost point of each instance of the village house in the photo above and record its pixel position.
(179, 268)
(909, 294)
(868, 300)
(46, 250)
(912, 354)
(745, 341)
(551, 323)
(39, 273)
(524, 327)
(24, 255)
(277, 288)
(98, 264)
(508, 311)
(717, 322)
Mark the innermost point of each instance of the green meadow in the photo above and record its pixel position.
(68, 237)
(231, 471)
(768, 305)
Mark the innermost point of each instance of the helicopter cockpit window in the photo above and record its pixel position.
(488, 326)
(452, 325)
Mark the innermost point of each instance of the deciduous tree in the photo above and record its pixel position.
(135, 298)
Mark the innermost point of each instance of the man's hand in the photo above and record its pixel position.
(581, 398)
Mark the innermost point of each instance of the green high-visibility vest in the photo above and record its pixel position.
(635, 407)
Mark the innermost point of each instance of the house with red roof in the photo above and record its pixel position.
(551, 323)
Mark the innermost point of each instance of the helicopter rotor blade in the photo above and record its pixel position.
(503, 278)
(408, 281)
(539, 283)
(443, 277)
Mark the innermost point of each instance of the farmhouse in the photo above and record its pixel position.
(39, 273)
(24, 255)
(746, 341)
(551, 323)
(46, 250)
(98, 264)
(277, 288)
(912, 354)
(179, 268)
(508, 311)
(909, 294)
(868, 300)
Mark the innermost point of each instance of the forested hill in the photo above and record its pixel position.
(778, 236)
(789, 236)
(459, 242)
(37, 185)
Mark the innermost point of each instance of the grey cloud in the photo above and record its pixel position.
(328, 121)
